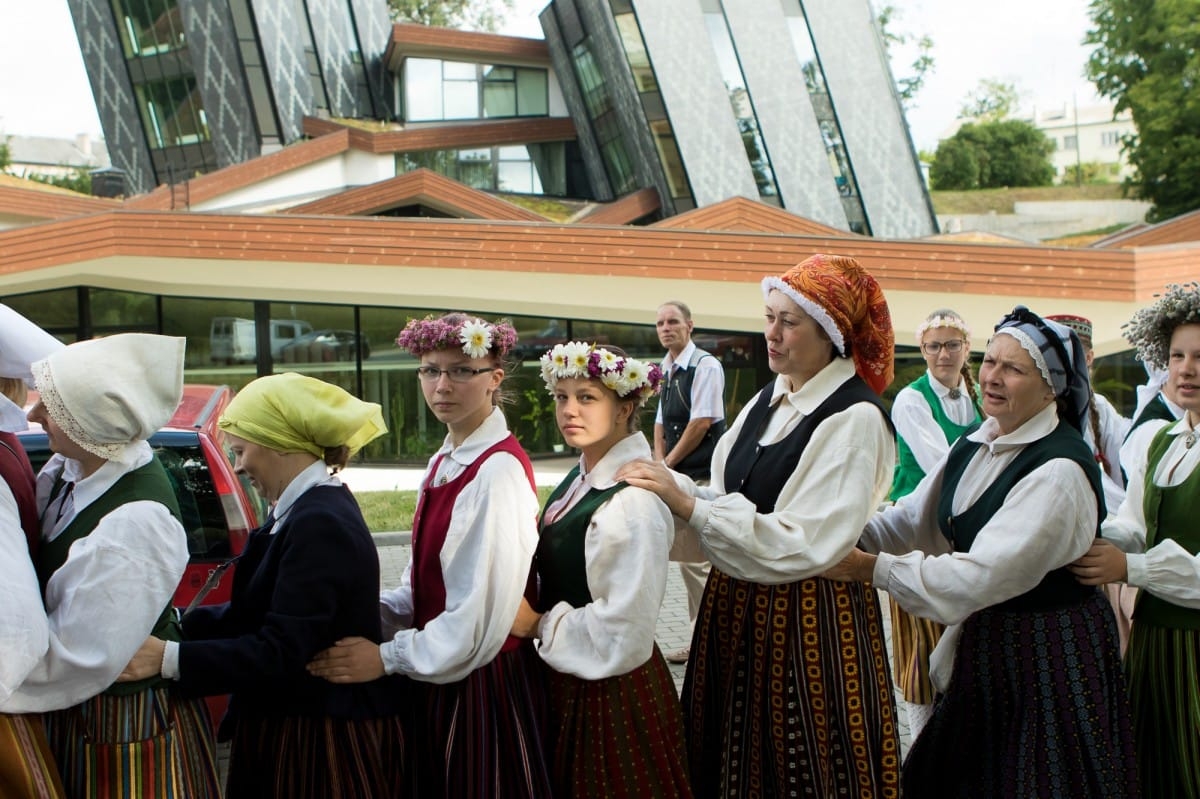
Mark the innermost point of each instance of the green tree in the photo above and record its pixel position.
(922, 63)
(995, 154)
(5, 154)
(1147, 60)
(79, 180)
(484, 15)
(990, 101)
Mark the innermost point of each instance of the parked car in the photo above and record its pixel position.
(233, 340)
(218, 508)
(320, 346)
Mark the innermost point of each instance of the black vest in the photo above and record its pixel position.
(1058, 588)
(760, 472)
(676, 403)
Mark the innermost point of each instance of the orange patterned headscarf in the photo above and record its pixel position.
(850, 307)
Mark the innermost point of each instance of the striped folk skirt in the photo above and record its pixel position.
(913, 639)
(1036, 706)
(96, 744)
(27, 769)
(483, 736)
(316, 758)
(1163, 667)
(620, 737)
(788, 692)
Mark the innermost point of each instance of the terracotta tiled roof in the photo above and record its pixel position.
(624, 211)
(1182, 228)
(214, 184)
(419, 187)
(741, 213)
(38, 201)
(441, 136)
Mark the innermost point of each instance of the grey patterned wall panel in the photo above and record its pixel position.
(872, 122)
(374, 26)
(697, 102)
(337, 47)
(212, 44)
(284, 32)
(785, 113)
(560, 58)
(115, 102)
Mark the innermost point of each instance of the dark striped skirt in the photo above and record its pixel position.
(913, 640)
(1163, 667)
(788, 692)
(316, 758)
(82, 739)
(1036, 706)
(27, 769)
(620, 737)
(484, 735)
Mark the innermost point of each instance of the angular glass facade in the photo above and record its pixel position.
(435, 90)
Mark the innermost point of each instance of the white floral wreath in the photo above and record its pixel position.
(623, 375)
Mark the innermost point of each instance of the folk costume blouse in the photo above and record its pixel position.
(625, 554)
(1166, 570)
(916, 425)
(1047, 521)
(103, 602)
(485, 562)
(841, 478)
(24, 631)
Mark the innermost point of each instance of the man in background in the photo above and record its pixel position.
(690, 419)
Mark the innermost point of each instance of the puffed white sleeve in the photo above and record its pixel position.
(910, 524)
(24, 631)
(915, 424)
(485, 563)
(1047, 520)
(625, 551)
(102, 604)
(841, 478)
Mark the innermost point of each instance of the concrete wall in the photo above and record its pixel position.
(1035, 221)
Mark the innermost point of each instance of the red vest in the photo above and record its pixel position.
(16, 471)
(430, 524)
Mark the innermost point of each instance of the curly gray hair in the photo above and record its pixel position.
(1150, 329)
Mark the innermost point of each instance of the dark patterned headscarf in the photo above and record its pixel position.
(1059, 356)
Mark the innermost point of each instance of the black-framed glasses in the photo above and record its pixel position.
(457, 374)
(934, 347)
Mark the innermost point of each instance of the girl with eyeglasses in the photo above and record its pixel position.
(930, 414)
(478, 701)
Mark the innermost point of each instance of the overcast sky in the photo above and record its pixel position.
(1032, 43)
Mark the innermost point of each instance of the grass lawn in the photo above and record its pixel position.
(1001, 201)
(392, 511)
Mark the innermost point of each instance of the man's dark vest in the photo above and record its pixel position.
(149, 482)
(677, 412)
(1058, 588)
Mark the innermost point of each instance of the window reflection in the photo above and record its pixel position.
(172, 112)
(520, 169)
(436, 90)
(148, 27)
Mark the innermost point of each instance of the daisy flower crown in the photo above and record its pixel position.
(476, 337)
(1150, 329)
(628, 377)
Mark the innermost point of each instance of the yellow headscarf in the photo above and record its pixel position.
(294, 413)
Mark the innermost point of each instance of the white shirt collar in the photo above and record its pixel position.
(1038, 426)
(602, 474)
(314, 474)
(941, 391)
(1181, 427)
(12, 416)
(89, 489)
(816, 390)
(684, 359)
(493, 429)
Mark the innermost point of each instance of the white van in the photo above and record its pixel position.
(232, 340)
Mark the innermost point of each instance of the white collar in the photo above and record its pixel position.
(493, 429)
(629, 448)
(89, 489)
(314, 474)
(818, 388)
(941, 391)
(1038, 426)
(684, 359)
(12, 416)
(1181, 428)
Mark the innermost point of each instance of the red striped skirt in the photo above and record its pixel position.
(27, 769)
(482, 736)
(316, 758)
(788, 692)
(86, 740)
(618, 737)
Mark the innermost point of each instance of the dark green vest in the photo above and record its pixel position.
(1170, 512)
(908, 472)
(1058, 588)
(149, 482)
(560, 559)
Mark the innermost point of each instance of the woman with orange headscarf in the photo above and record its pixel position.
(788, 690)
